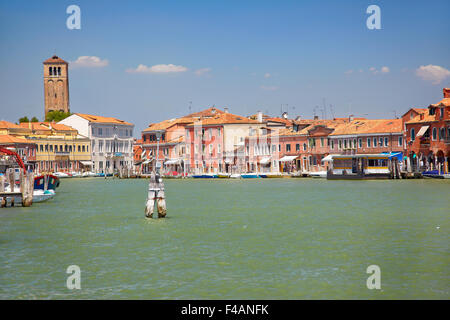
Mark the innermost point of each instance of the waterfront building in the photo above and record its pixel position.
(111, 140)
(216, 144)
(59, 148)
(368, 136)
(25, 148)
(56, 85)
(137, 156)
(427, 133)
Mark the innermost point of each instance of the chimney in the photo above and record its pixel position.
(225, 109)
(446, 92)
(422, 116)
(316, 117)
(284, 115)
(351, 117)
(260, 116)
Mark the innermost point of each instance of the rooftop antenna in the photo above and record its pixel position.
(331, 110)
(190, 107)
(324, 109)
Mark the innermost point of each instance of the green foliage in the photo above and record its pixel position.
(56, 116)
(24, 119)
(34, 119)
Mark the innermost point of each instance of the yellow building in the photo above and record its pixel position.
(59, 148)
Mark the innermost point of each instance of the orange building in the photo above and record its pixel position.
(428, 136)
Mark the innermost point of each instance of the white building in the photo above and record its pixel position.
(111, 140)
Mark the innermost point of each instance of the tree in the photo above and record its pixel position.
(34, 119)
(56, 115)
(24, 119)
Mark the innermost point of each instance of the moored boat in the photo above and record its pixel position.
(223, 175)
(318, 174)
(249, 175)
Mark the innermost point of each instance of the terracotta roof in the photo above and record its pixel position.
(101, 119)
(426, 118)
(55, 59)
(9, 139)
(8, 125)
(210, 112)
(443, 103)
(280, 120)
(368, 126)
(227, 118)
(46, 126)
(166, 124)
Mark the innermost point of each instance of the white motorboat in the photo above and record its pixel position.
(41, 195)
(62, 175)
(318, 174)
(88, 174)
(235, 176)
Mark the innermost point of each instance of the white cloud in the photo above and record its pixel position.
(202, 71)
(158, 68)
(267, 75)
(432, 73)
(382, 70)
(269, 88)
(89, 62)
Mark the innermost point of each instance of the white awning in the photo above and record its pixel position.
(422, 131)
(287, 158)
(173, 161)
(146, 162)
(229, 160)
(143, 154)
(329, 158)
(265, 160)
(86, 163)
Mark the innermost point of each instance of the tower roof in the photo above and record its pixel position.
(55, 59)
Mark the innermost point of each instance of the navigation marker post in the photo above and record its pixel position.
(156, 188)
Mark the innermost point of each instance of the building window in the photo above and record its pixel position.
(340, 144)
(279, 148)
(50, 71)
(321, 142)
(218, 148)
(386, 141)
(84, 149)
(360, 143)
(380, 140)
(218, 132)
(288, 147)
(100, 131)
(297, 147)
(400, 141)
(368, 142)
(332, 144)
(434, 133)
(374, 142)
(442, 134)
(304, 146)
(41, 148)
(210, 146)
(345, 144)
(441, 113)
(413, 134)
(274, 148)
(70, 148)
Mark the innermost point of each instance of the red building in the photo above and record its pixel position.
(427, 134)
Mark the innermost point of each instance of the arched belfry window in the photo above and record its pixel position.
(59, 71)
(54, 71)
(50, 70)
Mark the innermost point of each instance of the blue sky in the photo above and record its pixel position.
(247, 55)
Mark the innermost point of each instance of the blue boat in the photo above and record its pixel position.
(249, 175)
(205, 176)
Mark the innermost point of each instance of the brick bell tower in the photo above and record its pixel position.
(56, 85)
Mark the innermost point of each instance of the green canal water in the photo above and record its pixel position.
(224, 239)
